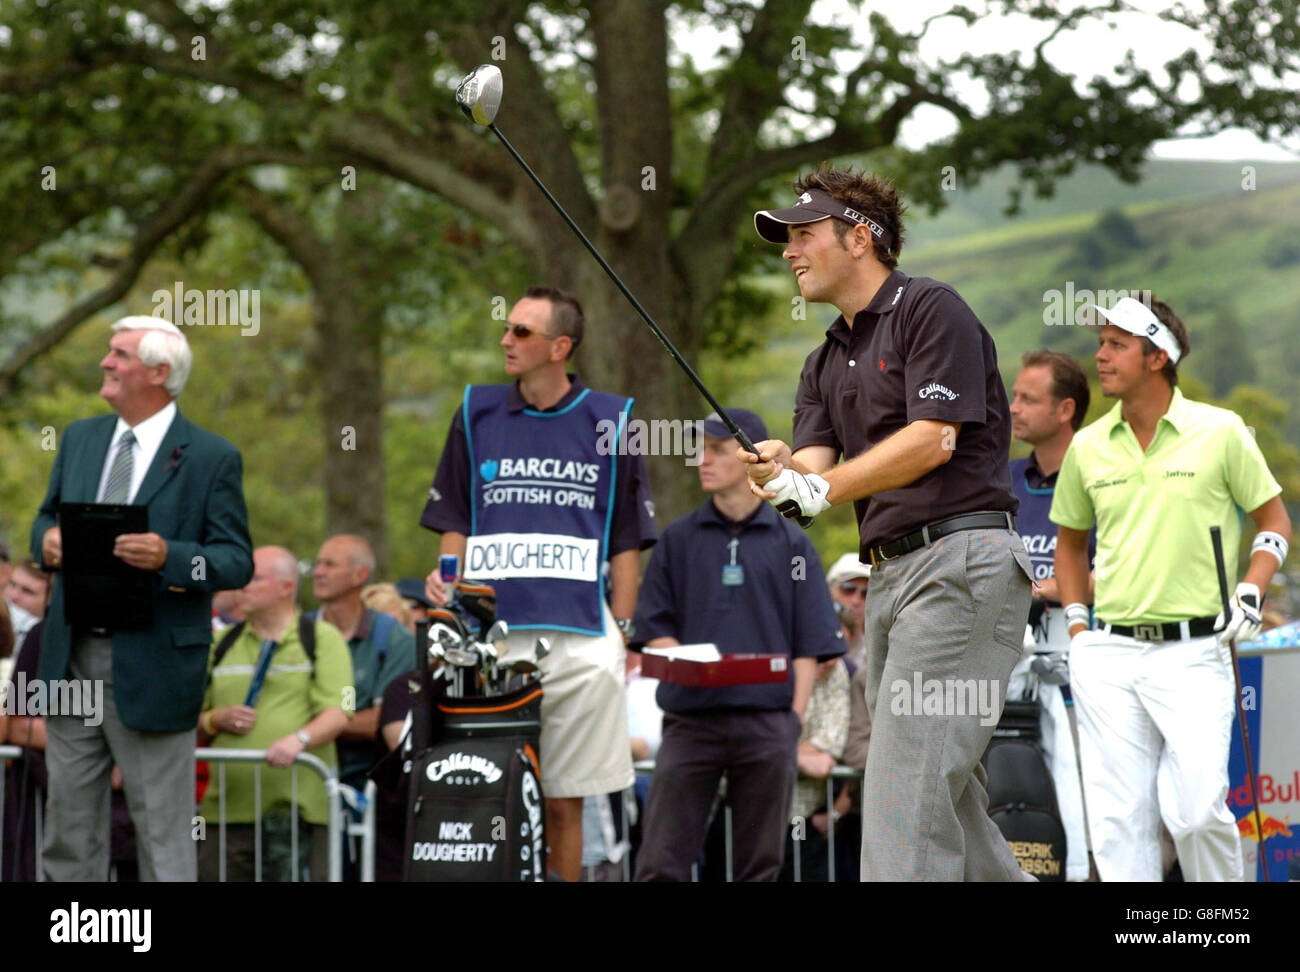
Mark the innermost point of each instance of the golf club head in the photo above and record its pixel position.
(541, 648)
(444, 638)
(497, 632)
(479, 94)
(460, 658)
(479, 601)
(448, 620)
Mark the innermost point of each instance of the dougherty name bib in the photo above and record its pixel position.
(501, 555)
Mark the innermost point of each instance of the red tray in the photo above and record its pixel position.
(730, 670)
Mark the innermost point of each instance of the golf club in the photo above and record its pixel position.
(479, 97)
(519, 672)
(479, 601)
(461, 663)
(488, 669)
(1216, 539)
(541, 648)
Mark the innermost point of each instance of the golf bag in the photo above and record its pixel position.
(475, 810)
(1022, 796)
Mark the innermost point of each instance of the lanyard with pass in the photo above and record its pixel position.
(733, 574)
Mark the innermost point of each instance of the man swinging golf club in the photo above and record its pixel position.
(906, 388)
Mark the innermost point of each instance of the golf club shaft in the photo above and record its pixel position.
(1216, 539)
(735, 430)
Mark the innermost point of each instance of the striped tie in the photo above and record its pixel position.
(118, 487)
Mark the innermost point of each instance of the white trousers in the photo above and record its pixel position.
(1155, 726)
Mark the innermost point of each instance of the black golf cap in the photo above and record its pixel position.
(748, 421)
(812, 207)
(412, 589)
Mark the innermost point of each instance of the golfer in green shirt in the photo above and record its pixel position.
(1153, 679)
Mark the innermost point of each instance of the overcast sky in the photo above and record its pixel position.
(1095, 47)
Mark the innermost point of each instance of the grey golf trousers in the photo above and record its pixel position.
(944, 626)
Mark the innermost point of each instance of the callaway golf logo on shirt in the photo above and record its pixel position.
(936, 390)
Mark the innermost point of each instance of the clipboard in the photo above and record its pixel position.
(99, 589)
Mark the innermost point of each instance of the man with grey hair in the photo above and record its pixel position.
(191, 483)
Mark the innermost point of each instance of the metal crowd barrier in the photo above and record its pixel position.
(257, 757)
(335, 791)
(838, 773)
(16, 752)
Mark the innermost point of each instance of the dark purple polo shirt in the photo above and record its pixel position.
(782, 607)
(917, 351)
(633, 523)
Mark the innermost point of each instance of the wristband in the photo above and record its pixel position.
(1270, 542)
(207, 723)
(1077, 613)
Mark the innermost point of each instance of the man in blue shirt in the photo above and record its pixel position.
(737, 574)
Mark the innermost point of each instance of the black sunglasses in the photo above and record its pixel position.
(848, 588)
(523, 332)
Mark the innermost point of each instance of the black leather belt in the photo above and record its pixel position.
(1166, 631)
(934, 531)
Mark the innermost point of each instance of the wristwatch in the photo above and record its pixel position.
(304, 737)
(626, 626)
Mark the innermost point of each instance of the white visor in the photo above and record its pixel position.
(1135, 317)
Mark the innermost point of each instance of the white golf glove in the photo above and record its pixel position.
(798, 493)
(1244, 619)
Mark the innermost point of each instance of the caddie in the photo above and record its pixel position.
(1153, 681)
(536, 490)
(906, 390)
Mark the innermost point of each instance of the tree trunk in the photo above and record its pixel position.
(621, 353)
(349, 346)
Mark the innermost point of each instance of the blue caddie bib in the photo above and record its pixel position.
(542, 496)
(1035, 525)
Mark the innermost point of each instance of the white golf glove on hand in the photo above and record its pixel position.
(1244, 619)
(798, 493)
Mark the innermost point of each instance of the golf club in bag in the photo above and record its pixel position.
(479, 97)
(475, 810)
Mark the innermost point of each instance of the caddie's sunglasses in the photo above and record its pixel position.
(523, 332)
(849, 589)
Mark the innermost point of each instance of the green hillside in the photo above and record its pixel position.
(979, 210)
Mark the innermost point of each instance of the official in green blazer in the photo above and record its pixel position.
(152, 679)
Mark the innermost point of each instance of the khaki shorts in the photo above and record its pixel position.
(585, 745)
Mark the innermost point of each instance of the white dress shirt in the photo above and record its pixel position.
(148, 437)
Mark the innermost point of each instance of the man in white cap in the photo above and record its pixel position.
(191, 483)
(1153, 682)
(847, 581)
